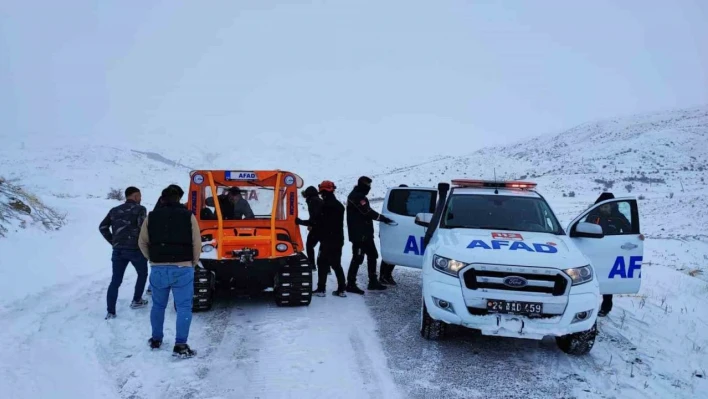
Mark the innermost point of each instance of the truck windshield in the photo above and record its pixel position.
(499, 212)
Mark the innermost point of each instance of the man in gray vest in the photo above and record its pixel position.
(171, 241)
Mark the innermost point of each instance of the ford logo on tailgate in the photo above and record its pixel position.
(515, 282)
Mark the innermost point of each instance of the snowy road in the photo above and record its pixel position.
(631, 358)
(248, 348)
(466, 365)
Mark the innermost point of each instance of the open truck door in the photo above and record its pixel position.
(402, 244)
(608, 234)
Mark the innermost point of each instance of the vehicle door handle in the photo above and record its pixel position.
(628, 245)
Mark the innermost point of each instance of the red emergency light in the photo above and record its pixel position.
(493, 184)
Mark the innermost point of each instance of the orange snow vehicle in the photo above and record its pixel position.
(250, 241)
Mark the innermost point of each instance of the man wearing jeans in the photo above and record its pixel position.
(121, 228)
(171, 240)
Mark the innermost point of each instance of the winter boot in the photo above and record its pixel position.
(387, 280)
(183, 351)
(374, 285)
(139, 304)
(320, 292)
(354, 289)
(154, 344)
(340, 293)
(110, 315)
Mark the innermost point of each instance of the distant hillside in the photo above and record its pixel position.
(655, 156)
(660, 158)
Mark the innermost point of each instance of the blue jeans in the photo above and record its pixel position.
(181, 281)
(120, 260)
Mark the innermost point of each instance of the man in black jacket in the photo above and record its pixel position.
(160, 202)
(360, 226)
(121, 228)
(171, 240)
(314, 207)
(329, 222)
(609, 226)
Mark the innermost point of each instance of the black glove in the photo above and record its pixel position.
(386, 220)
(298, 221)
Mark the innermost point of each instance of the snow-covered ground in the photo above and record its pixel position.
(652, 345)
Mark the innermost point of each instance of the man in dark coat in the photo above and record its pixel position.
(121, 228)
(314, 205)
(612, 223)
(360, 218)
(233, 205)
(329, 222)
(161, 202)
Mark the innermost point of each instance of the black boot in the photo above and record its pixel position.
(374, 285)
(183, 351)
(154, 344)
(354, 289)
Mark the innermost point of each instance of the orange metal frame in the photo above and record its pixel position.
(196, 202)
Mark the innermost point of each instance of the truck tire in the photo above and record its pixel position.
(204, 288)
(578, 344)
(430, 328)
(292, 285)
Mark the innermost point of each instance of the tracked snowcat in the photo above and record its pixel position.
(250, 241)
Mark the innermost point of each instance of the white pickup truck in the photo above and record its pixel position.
(495, 258)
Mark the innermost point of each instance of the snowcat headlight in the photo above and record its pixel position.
(281, 247)
(579, 275)
(448, 266)
(207, 248)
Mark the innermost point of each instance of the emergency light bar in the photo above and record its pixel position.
(493, 184)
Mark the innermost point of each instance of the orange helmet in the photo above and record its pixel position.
(327, 185)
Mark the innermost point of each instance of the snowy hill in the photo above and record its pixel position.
(652, 345)
(662, 158)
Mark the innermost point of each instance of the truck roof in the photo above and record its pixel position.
(509, 192)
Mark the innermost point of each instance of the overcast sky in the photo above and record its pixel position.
(479, 73)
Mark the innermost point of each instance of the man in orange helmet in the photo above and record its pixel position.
(330, 223)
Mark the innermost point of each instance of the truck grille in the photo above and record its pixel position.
(554, 284)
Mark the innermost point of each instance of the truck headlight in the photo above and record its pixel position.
(580, 275)
(447, 266)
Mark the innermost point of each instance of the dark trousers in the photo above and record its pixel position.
(330, 257)
(120, 260)
(312, 239)
(386, 269)
(606, 303)
(359, 250)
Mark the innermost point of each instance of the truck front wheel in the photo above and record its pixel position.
(430, 328)
(578, 344)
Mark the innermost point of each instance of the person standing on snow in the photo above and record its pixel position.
(611, 224)
(360, 226)
(160, 203)
(121, 228)
(314, 205)
(171, 240)
(329, 222)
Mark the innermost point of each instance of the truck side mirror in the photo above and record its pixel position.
(423, 219)
(588, 230)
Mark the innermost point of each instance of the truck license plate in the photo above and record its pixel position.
(524, 308)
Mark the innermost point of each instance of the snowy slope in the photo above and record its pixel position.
(661, 158)
(653, 345)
